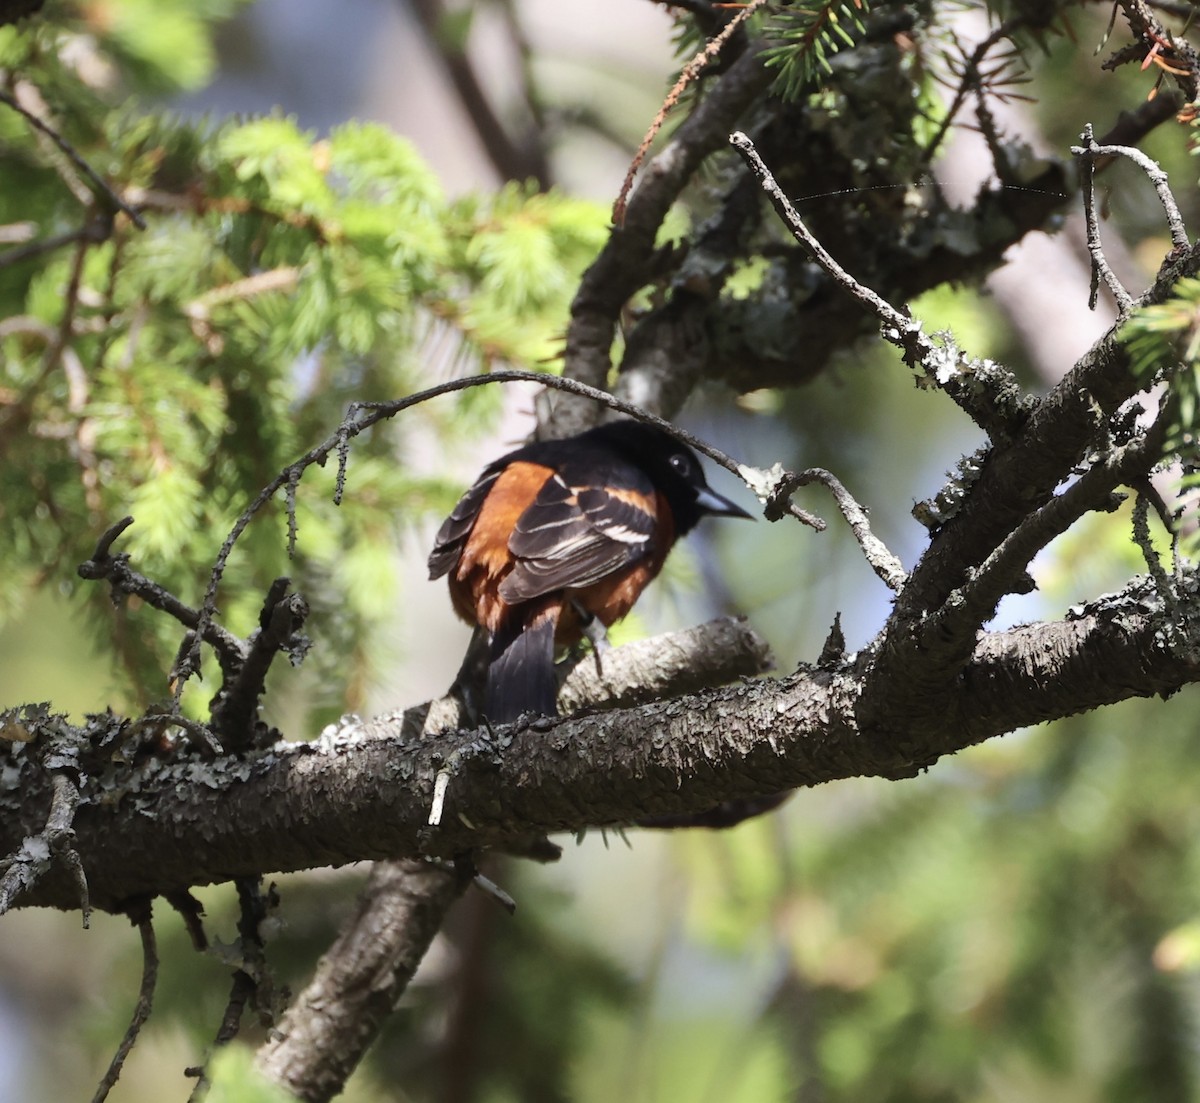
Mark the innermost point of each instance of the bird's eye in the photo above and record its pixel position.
(680, 462)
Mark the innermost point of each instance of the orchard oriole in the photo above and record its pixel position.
(558, 535)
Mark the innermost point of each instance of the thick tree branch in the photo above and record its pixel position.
(665, 666)
(1015, 483)
(1016, 478)
(620, 269)
(361, 976)
(367, 794)
(976, 601)
(322, 1037)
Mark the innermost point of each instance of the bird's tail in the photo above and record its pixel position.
(521, 675)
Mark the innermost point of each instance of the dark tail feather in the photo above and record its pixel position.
(521, 675)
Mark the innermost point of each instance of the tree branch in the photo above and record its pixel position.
(366, 793)
(324, 1033)
(620, 268)
(126, 581)
(992, 401)
(99, 187)
(361, 976)
(1019, 476)
(141, 918)
(235, 712)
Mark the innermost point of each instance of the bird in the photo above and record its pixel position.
(557, 540)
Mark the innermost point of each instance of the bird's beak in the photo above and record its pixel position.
(718, 505)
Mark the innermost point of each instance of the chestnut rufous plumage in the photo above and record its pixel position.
(561, 536)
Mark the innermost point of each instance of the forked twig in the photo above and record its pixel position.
(989, 397)
(881, 560)
(898, 328)
(1089, 153)
(1101, 269)
(125, 580)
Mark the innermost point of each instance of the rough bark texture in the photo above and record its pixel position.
(356, 986)
(358, 980)
(365, 790)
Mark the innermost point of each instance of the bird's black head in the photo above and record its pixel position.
(672, 466)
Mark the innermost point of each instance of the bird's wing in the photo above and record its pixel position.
(452, 536)
(573, 536)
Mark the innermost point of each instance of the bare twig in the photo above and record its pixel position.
(784, 483)
(283, 278)
(141, 918)
(48, 245)
(899, 328)
(1141, 537)
(1090, 151)
(104, 192)
(987, 396)
(125, 580)
(690, 72)
(36, 854)
(1147, 491)
(1101, 269)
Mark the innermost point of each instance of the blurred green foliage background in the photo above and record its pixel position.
(1020, 924)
